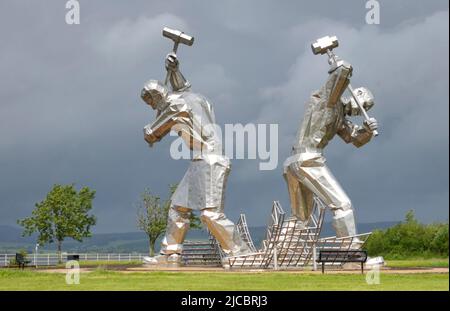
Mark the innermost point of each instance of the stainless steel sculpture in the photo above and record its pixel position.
(203, 186)
(326, 112)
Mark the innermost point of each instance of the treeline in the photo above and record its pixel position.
(410, 239)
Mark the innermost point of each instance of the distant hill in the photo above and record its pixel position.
(11, 239)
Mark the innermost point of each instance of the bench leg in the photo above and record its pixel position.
(362, 268)
(323, 267)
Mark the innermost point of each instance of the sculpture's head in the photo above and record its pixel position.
(364, 96)
(155, 94)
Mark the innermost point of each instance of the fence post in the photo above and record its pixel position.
(108, 257)
(119, 256)
(48, 259)
(6, 260)
(314, 257)
(275, 258)
(97, 256)
(129, 257)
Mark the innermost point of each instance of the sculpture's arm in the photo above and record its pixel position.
(357, 135)
(338, 80)
(176, 78)
(163, 124)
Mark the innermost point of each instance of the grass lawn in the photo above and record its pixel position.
(12, 279)
(101, 279)
(418, 263)
(407, 263)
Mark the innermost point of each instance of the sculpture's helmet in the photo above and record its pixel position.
(364, 96)
(155, 94)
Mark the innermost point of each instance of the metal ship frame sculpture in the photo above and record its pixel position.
(286, 244)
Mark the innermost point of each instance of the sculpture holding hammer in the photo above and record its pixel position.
(176, 78)
(326, 112)
(203, 186)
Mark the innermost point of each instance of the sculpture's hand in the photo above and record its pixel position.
(371, 125)
(337, 62)
(149, 136)
(333, 61)
(172, 62)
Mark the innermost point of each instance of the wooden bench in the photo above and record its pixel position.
(342, 256)
(75, 257)
(21, 261)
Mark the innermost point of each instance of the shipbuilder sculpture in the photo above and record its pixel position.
(326, 114)
(203, 186)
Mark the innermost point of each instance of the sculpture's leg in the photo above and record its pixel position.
(300, 196)
(224, 231)
(209, 183)
(344, 223)
(315, 176)
(177, 227)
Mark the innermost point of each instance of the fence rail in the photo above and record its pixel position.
(51, 259)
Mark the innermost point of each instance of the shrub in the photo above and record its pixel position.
(410, 239)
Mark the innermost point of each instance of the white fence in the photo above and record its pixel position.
(51, 259)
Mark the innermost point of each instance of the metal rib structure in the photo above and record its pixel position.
(201, 253)
(288, 243)
(245, 234)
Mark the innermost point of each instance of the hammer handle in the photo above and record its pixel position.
(363, 111)
(331, 56)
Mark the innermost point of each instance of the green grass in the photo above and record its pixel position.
(408, 263)
(418, 263)
(102, 279)
(12, 279)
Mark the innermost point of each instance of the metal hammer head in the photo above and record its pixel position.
(322, 45)
(177, 36)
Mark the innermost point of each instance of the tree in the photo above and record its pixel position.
(152, 216)
(63, 214)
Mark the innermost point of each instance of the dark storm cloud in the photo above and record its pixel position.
(70, 108)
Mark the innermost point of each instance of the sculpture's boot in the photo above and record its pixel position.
(177, 227)
(344, 225)
(162, 260)
(225, 232)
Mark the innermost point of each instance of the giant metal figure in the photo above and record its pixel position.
(305, 171)
(203, 186)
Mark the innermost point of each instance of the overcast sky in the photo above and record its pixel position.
(70, 110)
